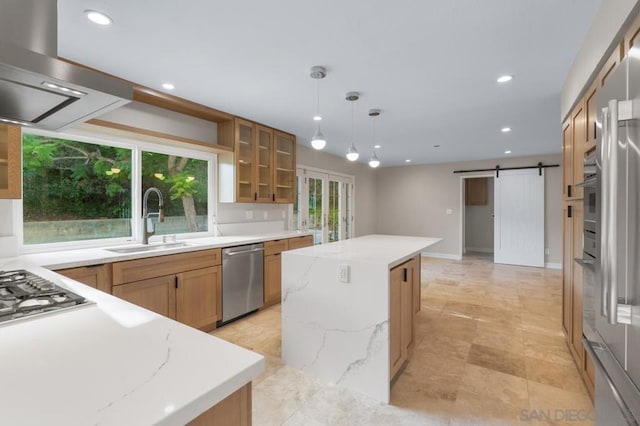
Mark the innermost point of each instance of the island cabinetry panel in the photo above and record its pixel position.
(185, 286)
(401, 314)
(234, 410)
(10, 161)
(97, 276)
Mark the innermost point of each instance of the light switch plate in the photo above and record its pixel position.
(344, 273)
(449, 211)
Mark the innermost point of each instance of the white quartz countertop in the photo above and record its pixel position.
(112, 363)
(94, 256)
(390, 250)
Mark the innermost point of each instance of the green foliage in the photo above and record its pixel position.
(66, 180)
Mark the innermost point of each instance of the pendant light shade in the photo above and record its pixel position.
(318, 140)
(352, 152)
(374, 161)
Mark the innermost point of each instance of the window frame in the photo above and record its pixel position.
(137, 146)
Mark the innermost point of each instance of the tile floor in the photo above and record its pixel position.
(489, 351)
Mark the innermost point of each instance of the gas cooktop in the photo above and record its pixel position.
(25, 294)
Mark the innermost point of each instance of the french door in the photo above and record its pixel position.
(324, 205)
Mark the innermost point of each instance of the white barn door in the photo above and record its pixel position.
(519, 218)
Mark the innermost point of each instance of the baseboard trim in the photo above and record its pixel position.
(553, 265)
(442, 255)
(479, 249)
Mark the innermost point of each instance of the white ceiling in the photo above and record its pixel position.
(431, 66)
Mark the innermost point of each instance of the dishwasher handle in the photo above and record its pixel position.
(233, 253)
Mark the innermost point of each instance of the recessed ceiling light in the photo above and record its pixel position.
(317, 118)
(504, 78)
(98, 17)
(505, 129)
(168, 86)
(377, 146)
(407, 161)
(507, 152)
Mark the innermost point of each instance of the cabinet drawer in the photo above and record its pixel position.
(141, 269)
(300, 242)
(275, 247)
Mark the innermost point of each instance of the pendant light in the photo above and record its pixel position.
(318, 140)
(352, 152)
(373, 160)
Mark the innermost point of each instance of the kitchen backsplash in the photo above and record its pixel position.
(252, 218)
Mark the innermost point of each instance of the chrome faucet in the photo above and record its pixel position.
(148, 229)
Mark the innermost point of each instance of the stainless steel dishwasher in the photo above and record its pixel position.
(242, 280)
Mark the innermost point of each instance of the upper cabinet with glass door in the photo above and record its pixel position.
(10, 162)
(285, 167)
(262, 167)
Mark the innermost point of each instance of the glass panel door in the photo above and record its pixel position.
(316, 208)
(335, 214)
(285, 152)
(265, 165)
(244, 161)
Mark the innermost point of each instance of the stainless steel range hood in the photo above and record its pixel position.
(36, 88)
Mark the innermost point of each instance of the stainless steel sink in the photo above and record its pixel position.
(142, 248)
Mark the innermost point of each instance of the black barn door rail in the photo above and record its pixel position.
(497, 169)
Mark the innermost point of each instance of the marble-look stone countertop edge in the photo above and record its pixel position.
(74, 258)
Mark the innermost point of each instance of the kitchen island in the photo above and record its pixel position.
(348, 309)
(113, 363)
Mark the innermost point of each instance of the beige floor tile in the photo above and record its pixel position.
(563, 376)
(559, 404)
(498, 360)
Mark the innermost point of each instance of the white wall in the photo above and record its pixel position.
(603, 32)
(412, 200)
(478, 222)
(365, 184)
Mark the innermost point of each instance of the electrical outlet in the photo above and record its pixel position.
(248, 214)
(284, 214)
(265, 215)
(546, 251)
(449, 211)
(343, 273)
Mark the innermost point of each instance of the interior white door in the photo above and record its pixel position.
(519, 218)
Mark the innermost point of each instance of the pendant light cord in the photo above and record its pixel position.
(318, 97)
(353, 120)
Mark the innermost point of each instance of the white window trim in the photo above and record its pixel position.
(136, 147)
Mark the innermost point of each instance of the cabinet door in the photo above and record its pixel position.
(98, 276)
(417, 284)
(396, 357)
(245, 157)
(567, 268)
(576, 280)
(285, 167)
(264, 165)
(10, 161)
(567, 160)
(272, 279)
(198, 297)
(475, 192)
(408, 310)
(611, 64)
(579, 124)
(592, 129)
(156, 294)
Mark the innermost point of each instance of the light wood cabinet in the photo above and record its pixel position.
(576, 292)
(155, 294)
(579, 125)
(592, 128)
(185, 286)
(417, 284)
(567, 159)
(567, 267)
(401, 314)
(300, 242)
(234, 410)
(272, 279)
(97, 276)
(475, 191)
(198, 297)
(285, 167)
(262, 167)
(10, 161)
